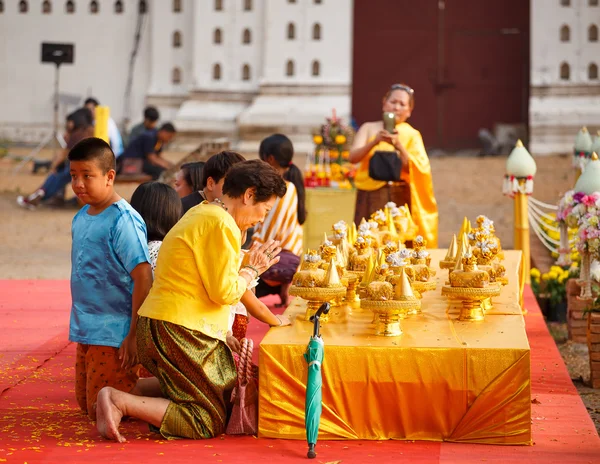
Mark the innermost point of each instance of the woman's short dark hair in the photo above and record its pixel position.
(218, 165)
(192, 173)
(160, 207)
(257, 175)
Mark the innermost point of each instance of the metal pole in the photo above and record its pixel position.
(55, 128)
(522, 230)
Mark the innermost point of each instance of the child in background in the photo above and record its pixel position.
(110, 276)
(188, 180)
(160, 207)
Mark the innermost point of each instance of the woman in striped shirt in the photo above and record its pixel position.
(284, 221)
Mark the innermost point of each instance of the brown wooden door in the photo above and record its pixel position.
(468, 61)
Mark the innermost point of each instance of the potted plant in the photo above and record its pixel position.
(549, 289)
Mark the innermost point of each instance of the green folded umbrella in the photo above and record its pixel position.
(314, 385)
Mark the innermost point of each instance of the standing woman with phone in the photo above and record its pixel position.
(393, 165)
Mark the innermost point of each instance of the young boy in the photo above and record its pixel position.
(151, 117)
(110, 276)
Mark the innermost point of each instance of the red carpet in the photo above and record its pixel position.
(40, 422)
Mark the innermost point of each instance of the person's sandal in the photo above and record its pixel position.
(24, 203)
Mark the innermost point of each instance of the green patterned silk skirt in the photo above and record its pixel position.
(196, 372)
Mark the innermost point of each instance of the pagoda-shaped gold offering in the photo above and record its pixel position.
(386, 229)
(405, 226)
(389, 303)
(487, 249)
(422, 275)
(316, 285)
(471, 286)
(329, 251)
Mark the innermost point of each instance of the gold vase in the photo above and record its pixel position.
(316, 296)
(471, 299)
(388, 314)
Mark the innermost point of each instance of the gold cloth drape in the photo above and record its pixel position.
(442, 380)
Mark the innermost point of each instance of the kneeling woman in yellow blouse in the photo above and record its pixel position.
(184, 321)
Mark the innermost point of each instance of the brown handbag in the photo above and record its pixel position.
(244, 416)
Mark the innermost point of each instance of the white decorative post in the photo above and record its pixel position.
(518, 183)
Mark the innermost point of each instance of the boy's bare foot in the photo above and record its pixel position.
(108, 415)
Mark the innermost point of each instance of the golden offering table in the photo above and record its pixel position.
(442, 380)
(326, 206)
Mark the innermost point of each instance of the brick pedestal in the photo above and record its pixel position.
(593, 341)
(576, 323)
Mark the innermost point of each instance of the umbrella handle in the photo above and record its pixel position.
(311, 451)
(323, 309)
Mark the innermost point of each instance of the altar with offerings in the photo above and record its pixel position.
(441, 380)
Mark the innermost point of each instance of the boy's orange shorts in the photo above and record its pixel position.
(97, 367)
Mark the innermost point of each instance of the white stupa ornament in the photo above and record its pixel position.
(589, 181)
(520, 170)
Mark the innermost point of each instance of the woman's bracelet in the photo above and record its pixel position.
(252, 268)
(247, 275)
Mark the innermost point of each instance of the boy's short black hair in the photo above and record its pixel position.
(151, 113)
(218, 165)
(168, 127)
(95, 149)
(91, 100)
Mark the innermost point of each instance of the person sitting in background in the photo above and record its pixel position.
(284, 221)
(114, 136)
(79, 125)
(160, 208)
(151, 117)
(144, 152)
(188, 179)
(213, 176)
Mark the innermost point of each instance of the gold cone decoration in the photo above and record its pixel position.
(340, 258)
(332, 279)
(452, 249)
(404, 290)
(325, 238)
(390, 224)
(368, 275)
(463, 249)
(354, 233)
(380, 258)
(411, 223)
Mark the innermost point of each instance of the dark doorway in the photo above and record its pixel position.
(468, 61)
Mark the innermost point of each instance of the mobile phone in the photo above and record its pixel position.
(389, 122)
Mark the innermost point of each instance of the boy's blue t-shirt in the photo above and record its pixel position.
(106, 248)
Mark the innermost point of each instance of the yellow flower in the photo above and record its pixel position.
(318, 139)
(535, 273)
(562, 278)
(556, 269)
(552, 275)
(545, 276)
(340, 139)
